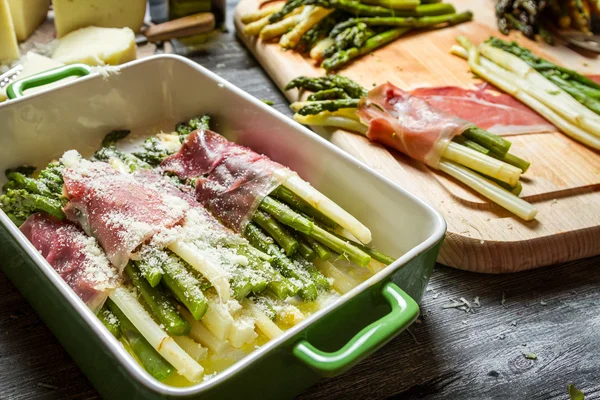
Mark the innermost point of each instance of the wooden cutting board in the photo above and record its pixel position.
(563, 181)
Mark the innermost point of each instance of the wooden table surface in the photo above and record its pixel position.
(552, 315)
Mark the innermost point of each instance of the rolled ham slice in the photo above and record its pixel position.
(117, 209)
(408, 123)
(76, 257)
(232, 180)
(487, 108)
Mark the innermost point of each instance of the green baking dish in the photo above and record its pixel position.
(154, 94)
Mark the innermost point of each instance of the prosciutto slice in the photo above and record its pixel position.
(117, 209)
(75, 256)
(487, 108)
(231, 181)
(408, 123)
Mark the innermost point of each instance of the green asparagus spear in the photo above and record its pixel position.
(514, 160)
(277, 232)
(507, 158)
(289, 217)
(541, 64)
(353, 89)
(263, 242)
(318, 278)
(17, 180)
(290, 198)
(341, 58)
(365, 10)
(185, 286)
(20, 204)
(374, 253)
(152, 362)
(579, 95)
(111, 139)
(317, 107)
(305, 250)
(321, 29)
(150, 269)
(161, 306)
(110, 321)
(322, 252)
(288, 7)
(154, 152)
(470, 144)
(328, 94)
(51, 177)
(409, 22)
(494, 143)
(185, 128)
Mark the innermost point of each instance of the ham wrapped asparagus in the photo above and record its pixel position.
(409, 124)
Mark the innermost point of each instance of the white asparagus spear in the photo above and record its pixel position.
(202, 334)
(506, 81)
(322, 203)
(163, 343)
(263, 322)
(192, 255)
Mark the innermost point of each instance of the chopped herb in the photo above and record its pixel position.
(530, 356)
(575, 393)
(267, 102)
(553, 92)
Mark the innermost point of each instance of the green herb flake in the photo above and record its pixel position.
(530, 356)
(553, 92)
(575, 394)
(268, 102)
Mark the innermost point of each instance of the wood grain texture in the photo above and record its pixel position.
(563, 182)
(451, 361)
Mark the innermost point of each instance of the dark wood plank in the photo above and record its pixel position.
(553, 313)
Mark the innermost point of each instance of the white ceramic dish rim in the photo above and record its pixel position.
(134, 369)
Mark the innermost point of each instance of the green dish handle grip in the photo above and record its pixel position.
(16, 89)
(404, 312)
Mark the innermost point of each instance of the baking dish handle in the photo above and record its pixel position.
(404, 312)
(16, 89)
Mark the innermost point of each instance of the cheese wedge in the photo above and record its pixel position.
(32, 64)
(9, 49)
(96, 46)
(70, 15)
(27, 15)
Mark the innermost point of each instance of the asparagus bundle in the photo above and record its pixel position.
(176, 285)
(533, 17)
(562, 96)
(339, 31)
(298, 219)
(475, 157)
(179, 294)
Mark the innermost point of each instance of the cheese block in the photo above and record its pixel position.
(9, 49)
(32, 64)
(70, 15)
(96, 46)
(27, 15)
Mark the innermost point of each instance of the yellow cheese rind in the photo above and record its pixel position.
(32, 64)
(70, 15)
(27, 15)
(96, 46)
(9, 49)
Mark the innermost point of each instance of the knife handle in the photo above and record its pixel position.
(181, 27)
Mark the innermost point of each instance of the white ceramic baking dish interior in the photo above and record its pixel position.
(156, 93)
